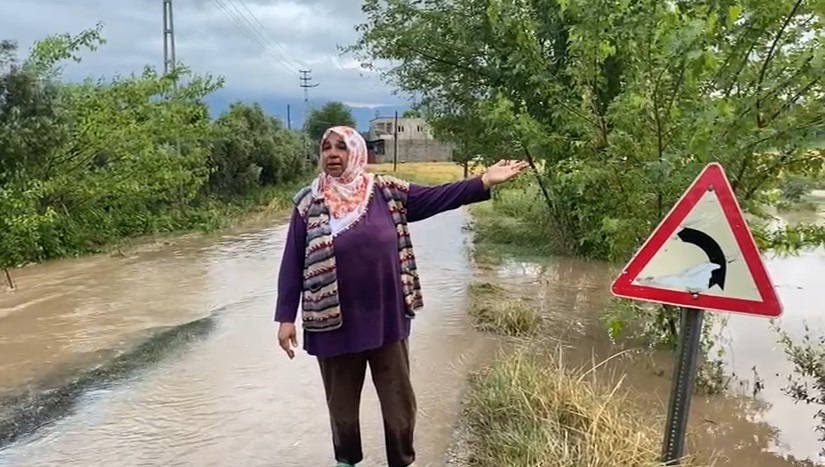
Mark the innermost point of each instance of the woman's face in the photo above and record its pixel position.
(335, 155)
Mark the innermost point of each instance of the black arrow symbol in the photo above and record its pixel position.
(712, 250)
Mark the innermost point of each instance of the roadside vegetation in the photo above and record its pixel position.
(495, 312)
(795, 193)
(87, 165)
(527, 409)
(530, 407)
(617, 106)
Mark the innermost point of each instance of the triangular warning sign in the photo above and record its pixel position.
(702, 255)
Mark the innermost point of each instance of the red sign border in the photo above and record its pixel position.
(712, 177)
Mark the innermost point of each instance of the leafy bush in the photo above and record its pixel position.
(85, 164)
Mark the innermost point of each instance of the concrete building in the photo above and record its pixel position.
(415, 141)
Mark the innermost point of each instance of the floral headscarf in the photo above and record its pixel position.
(346, 196)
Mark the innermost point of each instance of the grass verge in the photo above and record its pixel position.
(263, 204)
(209, 215)
(495, 314)
(267, 203)
(528, 410)
(803, 205)
(215, 214)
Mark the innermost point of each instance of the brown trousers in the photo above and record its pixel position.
(343, 378)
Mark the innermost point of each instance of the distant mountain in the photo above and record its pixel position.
(277, 107)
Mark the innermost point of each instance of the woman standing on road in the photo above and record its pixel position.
(349, 262)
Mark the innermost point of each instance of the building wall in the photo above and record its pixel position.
(415, 141)
(408, 128)
(421, 150)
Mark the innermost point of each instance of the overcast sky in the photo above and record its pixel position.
(257, 45)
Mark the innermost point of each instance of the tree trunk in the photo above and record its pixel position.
(9, 279)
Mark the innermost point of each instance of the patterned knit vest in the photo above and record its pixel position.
(320, 309)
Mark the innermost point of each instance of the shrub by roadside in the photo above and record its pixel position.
(88, 165)
(517, 222)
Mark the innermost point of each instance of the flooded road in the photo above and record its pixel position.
(208, 386)
(168, 357)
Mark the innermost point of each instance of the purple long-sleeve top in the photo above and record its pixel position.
(368, 270)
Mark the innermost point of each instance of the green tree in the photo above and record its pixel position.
(331, 114)
(83, 164)
(33, 129)
(619, 133)
(619, 104)
(251, 150)
(136, 151)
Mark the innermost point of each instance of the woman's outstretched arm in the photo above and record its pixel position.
(427, 201)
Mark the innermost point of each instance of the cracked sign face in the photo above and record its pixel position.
(702, 255)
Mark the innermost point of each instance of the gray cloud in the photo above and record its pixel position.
(257, 45)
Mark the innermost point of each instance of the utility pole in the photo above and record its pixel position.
(395, 144)
(305, 80)
(169, 59)
(288, 117)
(305, 83)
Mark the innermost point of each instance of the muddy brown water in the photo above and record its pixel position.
(210, 387)
(221, 392)
(736, 429)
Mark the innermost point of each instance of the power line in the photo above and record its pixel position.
(262, 28)
(260, 31)
(248, 28)
(243, 23)
(248, 23)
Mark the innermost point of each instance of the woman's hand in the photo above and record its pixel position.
(501, 172)
(287, 338)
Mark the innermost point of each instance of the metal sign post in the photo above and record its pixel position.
(684, 380)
